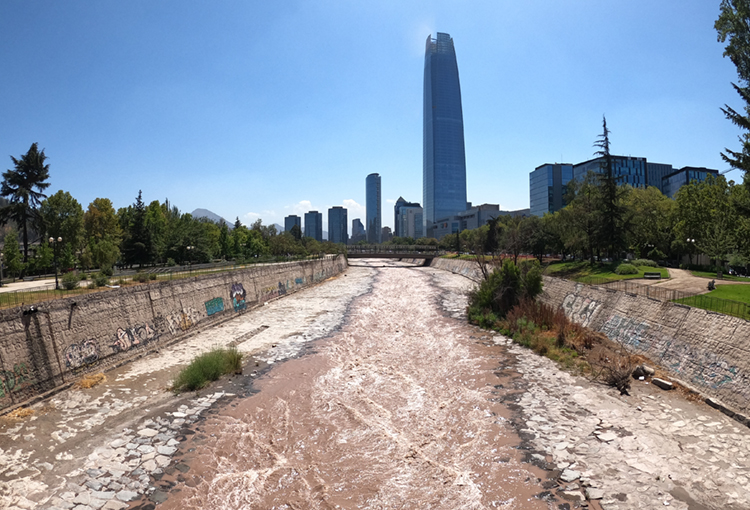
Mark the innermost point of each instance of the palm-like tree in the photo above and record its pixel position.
(23, 186)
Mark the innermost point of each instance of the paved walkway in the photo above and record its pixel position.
(683, 280)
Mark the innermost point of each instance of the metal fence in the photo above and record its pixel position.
(703, 301)
(39, 294)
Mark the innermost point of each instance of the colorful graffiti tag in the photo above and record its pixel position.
(127, 338)
(238, 295)
(282, 289)
(182, 320)
(215, 305)
(628, 331)
(299, 281)
(13, 380)
(81, 355)
(579, 309)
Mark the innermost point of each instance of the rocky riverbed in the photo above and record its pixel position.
(424, 412)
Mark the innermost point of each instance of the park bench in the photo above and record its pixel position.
(652, 275)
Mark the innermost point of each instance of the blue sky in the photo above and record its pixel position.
(263, 109)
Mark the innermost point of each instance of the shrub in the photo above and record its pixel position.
(70, 280)
(208, 367)
(152, 276)
(141, 277)
(644, 262)
(121, 282)
(171, 262)
(101, 279)
(626, 269)
(107, 270)
(504, 288)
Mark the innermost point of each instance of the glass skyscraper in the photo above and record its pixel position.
(372, 208)
(443, 158)
(337, 225)
(314, 225)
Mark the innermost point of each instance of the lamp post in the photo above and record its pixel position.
(190, 257)
(690, 254)
(1, 269)
(55, 242)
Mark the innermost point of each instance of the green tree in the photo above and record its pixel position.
(136, 245)
(12, 259)
(24, 186)
(103, 234)
(62, 217)
(651, 222)
(611, 212)
(224, 246)
(733, 25)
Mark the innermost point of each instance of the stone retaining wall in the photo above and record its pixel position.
(707, 351)
(46, 345)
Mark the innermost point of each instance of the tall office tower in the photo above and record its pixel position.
(407, 219)
(358, 231)
(443, 158)
(337, 225)
(291, 221)
(372, 206)
(547, 187)
(314, 225)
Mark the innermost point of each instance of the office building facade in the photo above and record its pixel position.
(314, 225)
(373, 213)
(547, 182)
(358, 231)
(685, 175)
(337, 225)
(547, 187)
(472, 218)
(404, 215)
(443, 156)
(291, 221)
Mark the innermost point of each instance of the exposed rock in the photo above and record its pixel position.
(661, 383)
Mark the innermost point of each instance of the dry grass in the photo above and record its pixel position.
(89, 381)
(20, 413)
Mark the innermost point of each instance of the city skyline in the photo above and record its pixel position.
(220, 107)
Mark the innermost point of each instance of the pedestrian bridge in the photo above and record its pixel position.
(377, 251)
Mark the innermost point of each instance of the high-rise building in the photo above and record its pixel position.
(547, 182)
(358, 231)
(547, 187)
(372, 206)
(291, 221)
(407, 219)
(314, 225)
(443, 157)
(337, 225)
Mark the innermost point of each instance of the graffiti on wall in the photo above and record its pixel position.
(14, 380)
(215, 305)
(299, 281)
(127, 338)
(580, 309)
(628, 331)
(182, 320)
(282, 289)
(81, 355)
(238, 294)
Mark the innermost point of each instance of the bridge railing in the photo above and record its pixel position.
(379, 248)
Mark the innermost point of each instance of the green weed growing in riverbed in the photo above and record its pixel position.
(208, 367)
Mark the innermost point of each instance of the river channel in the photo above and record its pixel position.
(400, 406)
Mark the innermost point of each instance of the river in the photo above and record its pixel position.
(399, 407)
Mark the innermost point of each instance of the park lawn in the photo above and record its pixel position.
(733, 292)
(712, 275)
(585, 272)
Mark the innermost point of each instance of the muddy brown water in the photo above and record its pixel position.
(403, 407)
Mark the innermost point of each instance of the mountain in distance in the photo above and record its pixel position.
(205, 213)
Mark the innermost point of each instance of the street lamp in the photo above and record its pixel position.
(190, 257)
(55, 242)
(690, 251)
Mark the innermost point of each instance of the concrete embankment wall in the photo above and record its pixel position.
(46, 345)
(707, 351)
(467, 268)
